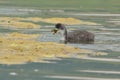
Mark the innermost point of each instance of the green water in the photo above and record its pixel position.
(64, 67)
(107, 39)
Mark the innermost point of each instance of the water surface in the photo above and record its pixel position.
(107, 67)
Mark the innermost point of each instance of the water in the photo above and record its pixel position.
(65, 67)
(107, 39)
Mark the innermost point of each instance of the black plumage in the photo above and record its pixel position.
(76, 36)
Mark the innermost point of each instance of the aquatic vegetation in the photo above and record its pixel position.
(16, 35)
(20, 51)
(15, 51)
(68, 21)
(23, 25)
(18, 22)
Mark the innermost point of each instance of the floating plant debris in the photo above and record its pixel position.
(18, 51)
(18, 22)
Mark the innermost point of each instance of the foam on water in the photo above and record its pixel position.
(13, 73)
(78, 78)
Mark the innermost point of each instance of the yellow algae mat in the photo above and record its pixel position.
(30, 22)
(19, 51)
(16, 35)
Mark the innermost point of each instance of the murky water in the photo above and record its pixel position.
(107, 39)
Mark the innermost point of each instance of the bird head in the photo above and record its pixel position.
(58, 27)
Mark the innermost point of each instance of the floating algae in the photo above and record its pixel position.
(27, 25)
(68, 21)
(18, 22)
(16, 35)
(22, 51)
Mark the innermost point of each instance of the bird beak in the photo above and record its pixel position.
(54, 31)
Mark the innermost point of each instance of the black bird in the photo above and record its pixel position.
(76, 36)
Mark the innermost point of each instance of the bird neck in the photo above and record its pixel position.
(64, 35)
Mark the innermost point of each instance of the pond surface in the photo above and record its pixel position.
(107, 39)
